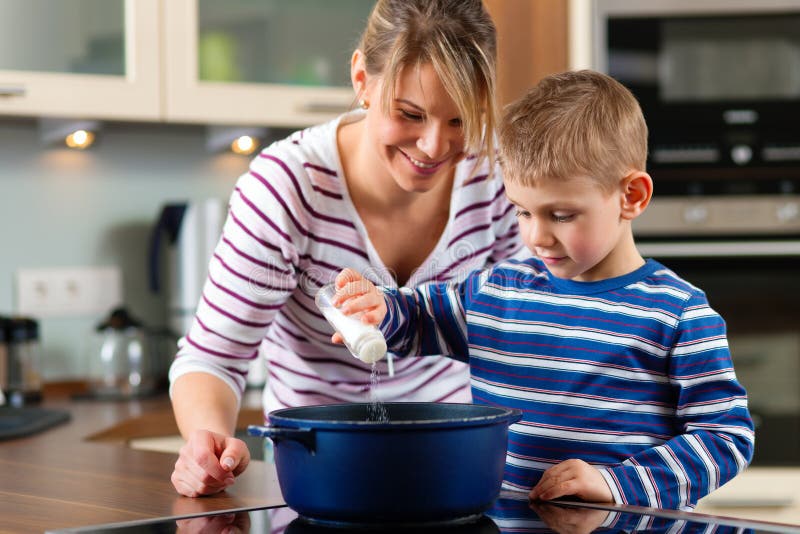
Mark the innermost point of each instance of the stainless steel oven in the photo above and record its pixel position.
(759, 298)
(719, 84)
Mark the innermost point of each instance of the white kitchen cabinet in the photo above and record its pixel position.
(260, 62)
(80, 58)
(269, 62)
(278, 63)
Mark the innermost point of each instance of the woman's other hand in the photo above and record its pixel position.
(572, 478)
(357, 295)
(208, 463)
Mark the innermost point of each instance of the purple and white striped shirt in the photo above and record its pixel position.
(291, 228)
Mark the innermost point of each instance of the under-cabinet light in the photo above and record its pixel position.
(75, 134)
(80, 139)
(244, 144)
(239, 140)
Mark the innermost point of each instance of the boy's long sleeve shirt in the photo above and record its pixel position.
(631, 374)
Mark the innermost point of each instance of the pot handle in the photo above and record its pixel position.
(305, 436)
(514, 416)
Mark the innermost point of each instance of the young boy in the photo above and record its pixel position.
(621, 367)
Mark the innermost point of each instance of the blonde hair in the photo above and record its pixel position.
(456, 37)
(579, 123)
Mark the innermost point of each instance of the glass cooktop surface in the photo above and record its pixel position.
(511, 513)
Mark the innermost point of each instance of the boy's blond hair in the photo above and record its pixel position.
(577, 123)
(458, 38)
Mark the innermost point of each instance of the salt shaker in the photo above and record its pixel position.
(364, 341)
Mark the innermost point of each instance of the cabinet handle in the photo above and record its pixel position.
(12, 91)
(323, 107)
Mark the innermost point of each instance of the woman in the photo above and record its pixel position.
(400, 188)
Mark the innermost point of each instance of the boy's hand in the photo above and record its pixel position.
(356, 294)
(574, 478)
(569, 520)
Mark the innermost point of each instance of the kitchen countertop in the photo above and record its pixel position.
(82, 473)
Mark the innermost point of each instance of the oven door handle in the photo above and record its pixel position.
(719, 249)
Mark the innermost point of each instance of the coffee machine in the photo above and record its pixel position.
(20, 366)
(188, 233)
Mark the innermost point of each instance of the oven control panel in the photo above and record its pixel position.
(731, 216)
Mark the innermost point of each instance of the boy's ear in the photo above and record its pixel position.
(636, 192)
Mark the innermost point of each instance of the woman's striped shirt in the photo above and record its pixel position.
(631, 374)
(291, 227)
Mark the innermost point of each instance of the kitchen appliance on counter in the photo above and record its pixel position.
(21, 381)
(124, 360)
(20, 365)
(511, 513)
(181, 245)
(719, 85)
(3, 360)
(192, 230)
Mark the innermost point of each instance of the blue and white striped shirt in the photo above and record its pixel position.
(631, 374)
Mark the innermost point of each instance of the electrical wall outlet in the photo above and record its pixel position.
(68, 292)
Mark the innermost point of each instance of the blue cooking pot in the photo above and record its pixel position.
(429, 463)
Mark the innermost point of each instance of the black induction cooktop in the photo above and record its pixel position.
(511, 513)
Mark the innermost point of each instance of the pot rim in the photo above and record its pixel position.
(292, 417)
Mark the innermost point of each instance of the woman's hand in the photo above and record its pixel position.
(357, 295)
(208, 463)
(238, 523)
(574, 478)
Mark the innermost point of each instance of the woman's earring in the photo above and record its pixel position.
(363, 104)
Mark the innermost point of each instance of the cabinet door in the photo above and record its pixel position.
(80, 58)
(267, 62)
(532, 42)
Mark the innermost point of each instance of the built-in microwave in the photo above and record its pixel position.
(719, 85)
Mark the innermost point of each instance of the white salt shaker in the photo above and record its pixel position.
(364, 341)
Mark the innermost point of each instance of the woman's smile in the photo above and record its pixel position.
(423, 167)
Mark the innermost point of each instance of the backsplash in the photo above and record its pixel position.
(65, 208)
